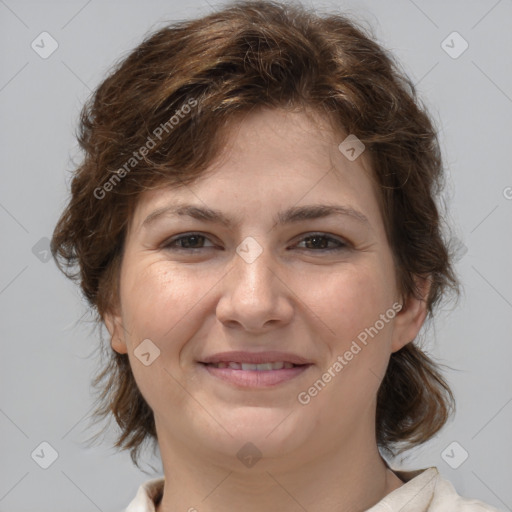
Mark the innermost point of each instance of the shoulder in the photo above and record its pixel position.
(446, 498)
(427, 489)
(424, 490)
(148, 494)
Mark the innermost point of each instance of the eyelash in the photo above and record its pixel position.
(169, 244)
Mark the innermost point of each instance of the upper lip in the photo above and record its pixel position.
(255, 357)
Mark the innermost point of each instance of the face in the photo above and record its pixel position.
(279, 247)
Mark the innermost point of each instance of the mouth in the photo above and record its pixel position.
(262, 367)
(254, 375)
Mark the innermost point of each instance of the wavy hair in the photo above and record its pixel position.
(248, 55)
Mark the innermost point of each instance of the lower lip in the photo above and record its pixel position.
(256, 378)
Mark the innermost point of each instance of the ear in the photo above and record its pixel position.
(114, 324)
(411, 317)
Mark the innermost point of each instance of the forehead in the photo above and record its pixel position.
(275, 158)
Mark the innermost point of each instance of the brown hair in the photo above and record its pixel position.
(188, 80)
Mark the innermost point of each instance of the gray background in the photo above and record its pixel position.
(46, 360)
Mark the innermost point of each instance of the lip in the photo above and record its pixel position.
(256, 358)
(255, 378)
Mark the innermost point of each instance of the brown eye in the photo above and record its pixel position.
(189, 241)
(320, 242)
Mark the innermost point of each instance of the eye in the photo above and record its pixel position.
(316, 242)
(190, 241)
(319, 242)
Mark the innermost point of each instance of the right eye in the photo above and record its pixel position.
(186, 242)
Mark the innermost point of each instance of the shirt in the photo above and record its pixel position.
(424, 490)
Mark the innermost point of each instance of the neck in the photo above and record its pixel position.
(354, 477)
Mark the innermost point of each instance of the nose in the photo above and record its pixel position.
(254, 294)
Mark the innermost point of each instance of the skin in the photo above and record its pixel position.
(293, 297)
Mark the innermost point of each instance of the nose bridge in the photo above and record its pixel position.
(252, 295)
(253, 275)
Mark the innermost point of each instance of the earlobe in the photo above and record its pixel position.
(411, 317)
(114, 327)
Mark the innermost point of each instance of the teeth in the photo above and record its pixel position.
(248, 366)
(258, 367)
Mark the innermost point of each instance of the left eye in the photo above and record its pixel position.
(315, 241)
(320, 242)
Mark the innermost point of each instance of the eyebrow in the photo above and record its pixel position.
(291, 215)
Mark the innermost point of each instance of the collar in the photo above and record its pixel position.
(414, 496)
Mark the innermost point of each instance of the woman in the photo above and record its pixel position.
(254, 222)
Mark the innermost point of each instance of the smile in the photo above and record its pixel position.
(250, 375)
(248, 366)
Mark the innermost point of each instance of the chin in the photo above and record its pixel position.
(273, 432)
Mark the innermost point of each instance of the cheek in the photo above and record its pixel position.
(158, 304)
(351, 303)
(157, 299)
(351, 300)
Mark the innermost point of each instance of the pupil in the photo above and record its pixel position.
(193, 238)
(318, 241)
